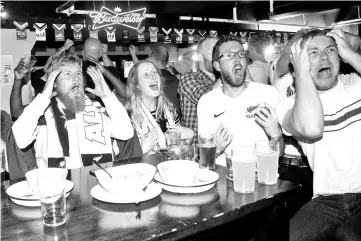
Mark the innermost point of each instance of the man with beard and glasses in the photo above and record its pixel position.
(69, 129)
(240, 112)
(324, 116)
(192, 86)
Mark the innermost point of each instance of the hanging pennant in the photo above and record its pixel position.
(179, 33)
(125, 35)
(141, 38)
(167, 39)
(40, 31)
(213, 33)
(93, 33)
(190, 36)
(153, 34)
(77, 30)
(21, 30)
(110, 33)
(233, 33)
(202, 33)
(59, 32)
(243, 37)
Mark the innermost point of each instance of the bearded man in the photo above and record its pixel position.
(68, 128)
(240, 112)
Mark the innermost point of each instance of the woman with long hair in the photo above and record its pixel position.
(151, 112)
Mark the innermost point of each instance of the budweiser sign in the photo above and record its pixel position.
(106, 17)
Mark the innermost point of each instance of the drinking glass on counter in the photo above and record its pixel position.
(173, 138)
(229, 169)
(51, 187)
(244, 168)
(267, 153)
(207, 151)
(187, 151)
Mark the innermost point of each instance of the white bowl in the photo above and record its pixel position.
(128, 178)
(32, 176)
(178, 172)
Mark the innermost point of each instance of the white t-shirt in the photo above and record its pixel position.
(237, 114)
(259, 71)
(335, 158)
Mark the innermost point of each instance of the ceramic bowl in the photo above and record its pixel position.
(178, 172)
(128, 178)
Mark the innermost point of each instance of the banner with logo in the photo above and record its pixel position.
(40, 31)
(110, 33)
(93, 33)
(21, 30)
(190, 35)
(153, 31)
(141, 38)
(77, 31)
(167, 39)
(243, 37)
(59, 32)
(179, 33)
(213, 33)
(202, 33)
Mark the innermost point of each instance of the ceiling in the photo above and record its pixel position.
(168, 12)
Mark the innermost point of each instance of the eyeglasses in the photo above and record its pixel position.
(231, 55)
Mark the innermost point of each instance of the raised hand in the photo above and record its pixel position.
(344, 47)
(132, 49)
(49, 85)
(299, 57)
(266, 117)
(101, 88)
(67, 45)
(104, 48)
(224, 138)
(20, 70)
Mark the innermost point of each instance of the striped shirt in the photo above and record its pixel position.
(335, 158)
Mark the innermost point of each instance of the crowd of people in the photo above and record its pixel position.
(302, 100)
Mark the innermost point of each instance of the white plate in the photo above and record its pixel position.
(153, 190)
(21, 193)
(205, 180)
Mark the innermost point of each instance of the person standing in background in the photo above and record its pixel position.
(259, 68)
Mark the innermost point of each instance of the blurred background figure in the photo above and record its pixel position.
(257, 45)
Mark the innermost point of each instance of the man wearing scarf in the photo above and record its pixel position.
(70, 129)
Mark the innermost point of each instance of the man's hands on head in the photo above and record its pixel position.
(48, 90)
(344, 46)
(299, 58)
(101, 88)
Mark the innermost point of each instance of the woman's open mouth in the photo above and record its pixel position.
(154, 86)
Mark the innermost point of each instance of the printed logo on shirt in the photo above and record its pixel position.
(216, 115)
(250, 111)
(289, 91)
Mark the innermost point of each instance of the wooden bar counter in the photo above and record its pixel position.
(219, 213)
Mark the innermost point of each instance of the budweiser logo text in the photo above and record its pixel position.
(106, 17)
